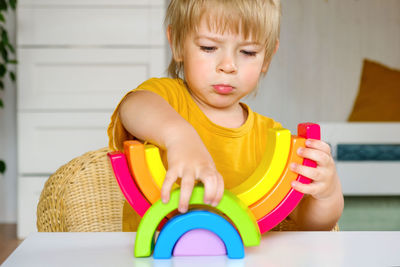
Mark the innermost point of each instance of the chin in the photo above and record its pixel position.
(222, 104)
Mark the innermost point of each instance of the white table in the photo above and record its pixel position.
(276, 249)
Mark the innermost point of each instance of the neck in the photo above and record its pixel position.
(233, 117)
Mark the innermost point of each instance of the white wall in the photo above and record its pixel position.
(8, 182)
(315, 74)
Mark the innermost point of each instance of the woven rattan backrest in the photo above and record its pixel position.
(81, 196)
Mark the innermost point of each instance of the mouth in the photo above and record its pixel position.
(223, 89)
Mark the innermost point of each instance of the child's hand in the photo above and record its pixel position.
(191, 161)
(324, 178)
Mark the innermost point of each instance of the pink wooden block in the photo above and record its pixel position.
(308, 131)
(128, 187)
(199, 242)
(280, 212)
(126, 183)
(292, 199)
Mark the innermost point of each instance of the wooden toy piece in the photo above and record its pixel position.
(280, 212)
(156, 165)
(293, 198)
(134, 151)
(199, 242)
(272, 199)
(180, 224)
(309, 131)
(269, 170)
(126, 183)
(128, 186)
(229, 205)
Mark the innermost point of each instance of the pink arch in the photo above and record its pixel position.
(126, 183)
(292, 199)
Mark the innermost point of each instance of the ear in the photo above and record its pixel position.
(169, 35)
(266, 64)
(174, 54)
(276, 46)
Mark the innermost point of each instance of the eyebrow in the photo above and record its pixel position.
(220, 40)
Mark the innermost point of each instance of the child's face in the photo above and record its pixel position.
(220, 69)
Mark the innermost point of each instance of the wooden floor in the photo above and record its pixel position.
(8, 240)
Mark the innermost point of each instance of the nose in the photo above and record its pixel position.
(227, 64)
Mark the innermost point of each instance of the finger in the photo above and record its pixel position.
(210, 188)
(309, 172)
(220, 191)
(319, 156)
(170, 178)
(318, 144)
(187, 184)
(309, 189)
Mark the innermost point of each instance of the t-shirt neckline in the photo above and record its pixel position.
(218, 129)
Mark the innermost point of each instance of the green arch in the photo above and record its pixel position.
(230, 205)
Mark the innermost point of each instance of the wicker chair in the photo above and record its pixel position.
(81, 196)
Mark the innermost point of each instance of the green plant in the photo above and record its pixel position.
(2, 166)
(6, 50)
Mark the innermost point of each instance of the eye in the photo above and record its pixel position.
(208, 49)
(249, 53)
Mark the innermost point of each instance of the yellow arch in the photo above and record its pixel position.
(156, 165)
(272, 199)
(259, 183)
(269, 170)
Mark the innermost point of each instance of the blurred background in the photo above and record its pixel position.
(338, 65)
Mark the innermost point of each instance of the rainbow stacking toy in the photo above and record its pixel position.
(245, 212)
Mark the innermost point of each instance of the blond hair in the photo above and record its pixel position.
(258, 19)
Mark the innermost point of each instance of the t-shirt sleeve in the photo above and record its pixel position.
(277, 124)
(167, 88)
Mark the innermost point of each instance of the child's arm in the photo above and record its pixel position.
(149, 117)
(322, 207)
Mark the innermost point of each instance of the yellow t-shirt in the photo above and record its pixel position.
(236, 152)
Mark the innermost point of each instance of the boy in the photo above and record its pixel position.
(220, 49)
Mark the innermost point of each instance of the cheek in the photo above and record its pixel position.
(251, 74)
(196, 67)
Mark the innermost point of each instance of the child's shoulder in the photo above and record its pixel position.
(172, 90)
(163, 82)
(264, 122)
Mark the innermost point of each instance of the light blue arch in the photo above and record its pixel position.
(180, 224)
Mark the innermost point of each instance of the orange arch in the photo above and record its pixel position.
(134, 151)
(272, 199)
